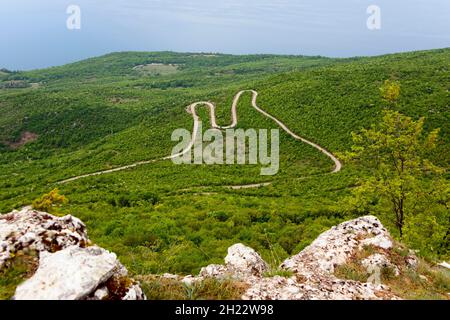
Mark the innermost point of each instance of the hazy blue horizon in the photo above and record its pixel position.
(35, 34)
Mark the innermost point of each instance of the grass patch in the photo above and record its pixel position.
(157, 288)
(278, 272)
(427, 283)
(424, 283)
(351, 271)
(20, 268)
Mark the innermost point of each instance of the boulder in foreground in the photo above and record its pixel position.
(68, 267)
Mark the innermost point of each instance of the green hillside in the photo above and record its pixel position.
(121, 108)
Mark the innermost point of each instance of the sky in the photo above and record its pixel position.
(34, 33)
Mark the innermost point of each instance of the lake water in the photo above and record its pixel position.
(34, 33)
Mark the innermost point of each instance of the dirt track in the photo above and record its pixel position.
(234, 120)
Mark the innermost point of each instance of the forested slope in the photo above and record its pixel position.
(108, 111)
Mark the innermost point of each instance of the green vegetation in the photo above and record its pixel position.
(158, 288)
(279, 272)
(394, 153)
(400, 177)
(100, 113)
(50, 201)
(21, 267)
(426, 283)
(390, 91)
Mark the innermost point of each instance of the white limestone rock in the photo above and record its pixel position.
(379, 261)
(68, 269)
(134, 293)
(40, 231)
(242, 260)
(77, 273)
(101, 293)
(191, 280)
(69, 274)
(214, 271)
(313, 269)
(380, 240)
(170, 276)
(412, 261)
(327, 288)
(335, 246)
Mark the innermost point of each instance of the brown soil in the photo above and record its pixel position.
(25, 138)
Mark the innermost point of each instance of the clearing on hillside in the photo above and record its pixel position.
(25, 137)
(156, 69)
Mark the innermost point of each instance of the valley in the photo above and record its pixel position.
(100, 116)
(196, 120)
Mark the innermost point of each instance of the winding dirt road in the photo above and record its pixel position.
(234, 120)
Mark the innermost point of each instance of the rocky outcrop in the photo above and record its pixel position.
(69, 269)
(335, 246)
(79, 273)
(244, 261)
(29, 229)
(313, 269)
(444, 265)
